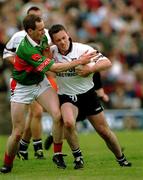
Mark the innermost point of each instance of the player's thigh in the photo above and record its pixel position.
(49, 101)
(18, 114)
(28, 117)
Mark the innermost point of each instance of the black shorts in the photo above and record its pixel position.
(87, 103)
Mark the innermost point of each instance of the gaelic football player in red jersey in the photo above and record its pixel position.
(30, 67)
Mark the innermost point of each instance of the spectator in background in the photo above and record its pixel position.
(120, 99)
(41, 4)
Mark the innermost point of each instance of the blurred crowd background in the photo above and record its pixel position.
(115, 27)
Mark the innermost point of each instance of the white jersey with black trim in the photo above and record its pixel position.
(14, 42)
(69, 82)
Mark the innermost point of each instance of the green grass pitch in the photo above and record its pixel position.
(100, 163)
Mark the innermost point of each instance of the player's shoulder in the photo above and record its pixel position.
(81, 47)
(19, 34)
(15, 39)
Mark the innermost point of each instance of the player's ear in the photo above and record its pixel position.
(70, 39)
(29, 31)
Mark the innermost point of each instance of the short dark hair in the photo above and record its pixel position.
(33, 8)
(29, 22)
(55, 29)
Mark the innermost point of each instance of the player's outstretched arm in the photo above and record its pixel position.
(84, 59)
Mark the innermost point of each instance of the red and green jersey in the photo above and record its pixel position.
(30, 65)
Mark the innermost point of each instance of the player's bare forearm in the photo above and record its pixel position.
(101, 65)
(93, 67)
(84, 59)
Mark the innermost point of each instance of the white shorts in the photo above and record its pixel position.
(26, 94)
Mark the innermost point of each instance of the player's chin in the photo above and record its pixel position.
(41, 36)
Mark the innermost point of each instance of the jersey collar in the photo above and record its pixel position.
(33, 43)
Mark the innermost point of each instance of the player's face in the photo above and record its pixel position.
(61, 40)
(38, 33)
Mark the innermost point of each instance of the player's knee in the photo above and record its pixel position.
(69, 124)
(57, 116)
(37, 114)
(36, 111)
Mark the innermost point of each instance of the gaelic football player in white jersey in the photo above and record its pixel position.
(33, 121)
(77, 95)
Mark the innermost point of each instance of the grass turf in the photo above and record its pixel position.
(100, 164)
